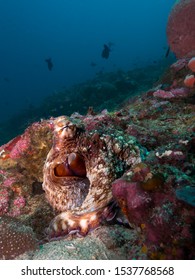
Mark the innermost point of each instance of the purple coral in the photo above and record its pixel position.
(133, 200)
(19, 202)
(9, 181)
(173, 93)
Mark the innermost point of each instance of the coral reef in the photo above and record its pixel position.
(133, 166)
(181, 29)
(21, 175)
(155, 210)
(180, 81)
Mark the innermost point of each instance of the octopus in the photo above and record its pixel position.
(79, 171)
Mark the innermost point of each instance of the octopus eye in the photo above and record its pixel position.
(74, 166)
(61, 124)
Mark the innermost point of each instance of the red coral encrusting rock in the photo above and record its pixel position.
(153, 208)
(21, 175)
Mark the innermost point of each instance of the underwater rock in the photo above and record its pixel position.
(21, 164)
(181, 29)
(151, 207)
(15, 238)
(133, 201)
(104, 243)
(12, 200)
(21, 168)
(134, 192)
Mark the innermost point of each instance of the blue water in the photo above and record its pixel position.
(72, 33)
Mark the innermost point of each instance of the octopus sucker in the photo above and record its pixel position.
(79, 171)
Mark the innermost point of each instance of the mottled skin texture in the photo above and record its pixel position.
(107, 153)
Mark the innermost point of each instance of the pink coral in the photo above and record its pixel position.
(180, 92)
(181, 29)
(20, 147)
(19, 202)
(4, 201)
(173, 93)
(9, 146)
(9, 181)
(163, 94)
(179, 64)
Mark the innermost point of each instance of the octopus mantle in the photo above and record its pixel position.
(80, 168)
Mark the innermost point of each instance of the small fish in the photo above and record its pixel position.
(167, 52)
(106, 51)
(49, 63)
